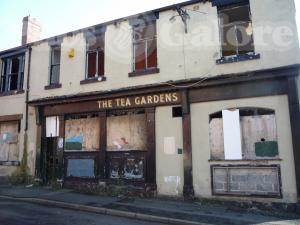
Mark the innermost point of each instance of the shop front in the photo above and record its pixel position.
(110, 140)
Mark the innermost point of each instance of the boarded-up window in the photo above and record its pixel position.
(144, 47)
(126, 132)
(245, 180)
(82, 134)
(258, 134)
(9, 141)
(236, 30)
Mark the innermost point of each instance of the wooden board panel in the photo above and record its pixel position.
(256, 129)
(128, 132)
(82, 134)
(9, 141)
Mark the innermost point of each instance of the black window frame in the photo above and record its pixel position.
(6, 73)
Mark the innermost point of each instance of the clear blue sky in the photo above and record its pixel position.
(60, 16)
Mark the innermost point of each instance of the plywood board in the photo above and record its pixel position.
(82, 134)
(9, 141)
(255, 129)
(216, 138)
(128, 132)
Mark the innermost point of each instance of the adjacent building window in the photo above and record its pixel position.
(236, 29)
(95, 56)
(9, 141)
(12, 74)
(243, 134)
(55, 64)
(144, 47)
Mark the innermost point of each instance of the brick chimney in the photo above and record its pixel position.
(31, 30)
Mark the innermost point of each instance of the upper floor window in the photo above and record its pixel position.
(144, 47)
(12, 74)
(95, 56)
(55, 64)
(236, 31)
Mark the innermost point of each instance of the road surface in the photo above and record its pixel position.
(19, 213)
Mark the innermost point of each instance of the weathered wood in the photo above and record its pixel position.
(235, 90)
(7, 118)
(102, 145)
(151, 151)
(188, 190)
(60, 149)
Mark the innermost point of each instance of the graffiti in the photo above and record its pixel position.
(74, 143)
(124, 166)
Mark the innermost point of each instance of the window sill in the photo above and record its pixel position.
(93, 80)
(237, 58)
(244, 160)
(9, 163)
(12, 93)
(52, 86)
(143, 72)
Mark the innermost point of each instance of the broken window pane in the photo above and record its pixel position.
(229, 41)
(145, 47)
(100, 63)
(92, 61)
(140, 59)
(13, 82)
(244, 38)
(12, 74)
(151, 54)
(95, 56)
(236, 30)
(14, 65)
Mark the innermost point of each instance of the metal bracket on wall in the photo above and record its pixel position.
(184, 17)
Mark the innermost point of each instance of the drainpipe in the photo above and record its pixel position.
(27, 89)
(24, 160)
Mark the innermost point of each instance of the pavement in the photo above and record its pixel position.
(152, 210)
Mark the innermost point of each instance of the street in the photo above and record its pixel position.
(19, 213)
